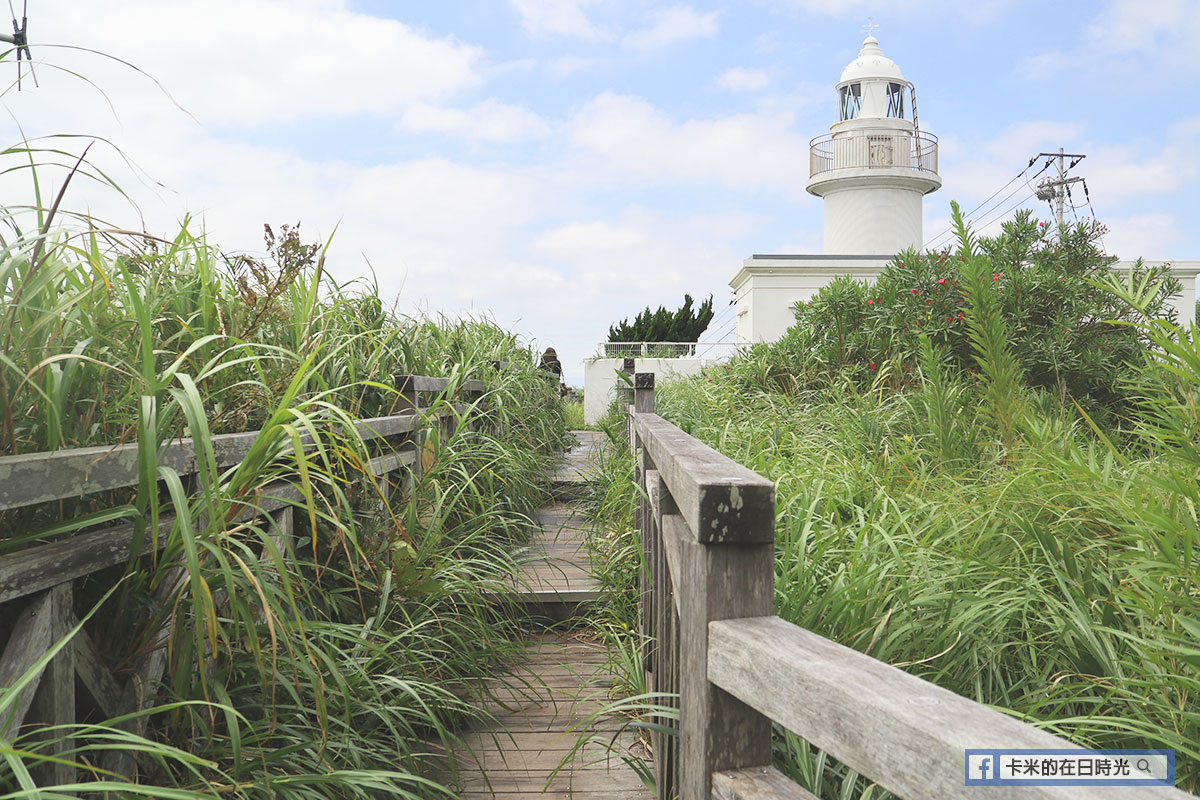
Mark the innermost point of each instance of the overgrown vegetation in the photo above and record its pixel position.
(337, 671)
(1070, 337)
(685, 324)
(1002, 503)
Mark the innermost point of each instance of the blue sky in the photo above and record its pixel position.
(561, 164)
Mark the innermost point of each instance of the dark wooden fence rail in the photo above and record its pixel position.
(708, 532)
(36, 583)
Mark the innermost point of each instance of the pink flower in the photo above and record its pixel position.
(941, 281)
(870, 302)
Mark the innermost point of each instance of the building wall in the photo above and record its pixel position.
(600, 379)
(877, 220)
(767, 287)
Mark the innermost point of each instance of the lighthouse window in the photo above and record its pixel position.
(895, 100)
(851, 97)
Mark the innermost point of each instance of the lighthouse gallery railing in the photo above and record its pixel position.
(873, 148)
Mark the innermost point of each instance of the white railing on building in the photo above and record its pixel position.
(667, 349)
(647, 349)
(872, 148)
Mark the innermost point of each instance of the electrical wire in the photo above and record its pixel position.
(721, 318)
(968, 217)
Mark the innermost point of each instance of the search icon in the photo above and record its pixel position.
(1143, 765)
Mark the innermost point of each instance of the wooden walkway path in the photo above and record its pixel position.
(540, 707)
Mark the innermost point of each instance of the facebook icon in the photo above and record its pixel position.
(981, 768)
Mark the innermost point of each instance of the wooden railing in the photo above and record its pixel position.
(708, 529)
(36, 583)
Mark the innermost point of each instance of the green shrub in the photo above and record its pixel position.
(1067, 335)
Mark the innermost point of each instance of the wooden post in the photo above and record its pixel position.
(54, 702)
(409, 401)
(33, 633)
(643, 403)
(665, 645)
(719, 580)
(625, 394)
(726, 571)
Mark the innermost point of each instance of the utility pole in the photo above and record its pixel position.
(1056, 190)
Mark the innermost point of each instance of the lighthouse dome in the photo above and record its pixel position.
(871, 64)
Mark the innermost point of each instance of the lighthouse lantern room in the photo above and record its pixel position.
(875, 165)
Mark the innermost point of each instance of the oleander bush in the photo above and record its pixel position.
(1069, 337)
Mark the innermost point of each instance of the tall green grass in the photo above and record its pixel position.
(984, 535)
(335, 671)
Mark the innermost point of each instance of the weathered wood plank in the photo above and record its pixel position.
(757, 783)
(674, 534)
(391, 462)
(141, 692)
(54, 702)
(42, 566)
(33, 478)
(31, 637)
(718, 731)
(734, 503)
(902, 732)
(429, 385)
(535, 782)
(590, 794)
(94, 674)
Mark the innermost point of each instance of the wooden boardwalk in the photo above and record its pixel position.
(542, 708)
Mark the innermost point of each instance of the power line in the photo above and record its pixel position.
(968, 217)
(722, 317)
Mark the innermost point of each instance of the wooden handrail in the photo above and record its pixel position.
(736, 671)
(32, 478)
(36, 582)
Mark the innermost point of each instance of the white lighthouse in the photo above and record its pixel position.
(874, 166)
(872, 170)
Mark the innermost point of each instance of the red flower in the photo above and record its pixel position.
(941, 281)
(914, 291)
(872, 365)
(870, 302)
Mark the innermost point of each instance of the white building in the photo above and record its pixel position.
(873, 170)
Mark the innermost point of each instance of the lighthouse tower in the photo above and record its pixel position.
(875, 165)
(872, 169)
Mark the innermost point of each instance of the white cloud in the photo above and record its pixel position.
(1158, 167)
(1129, 42)
(750, 151)
(490, 120)
(742, 79)
(266, 62)
(639, 258)
(976, 12)
(1165, 28)
(552, 18)
(671, 26)
(1151, 236)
